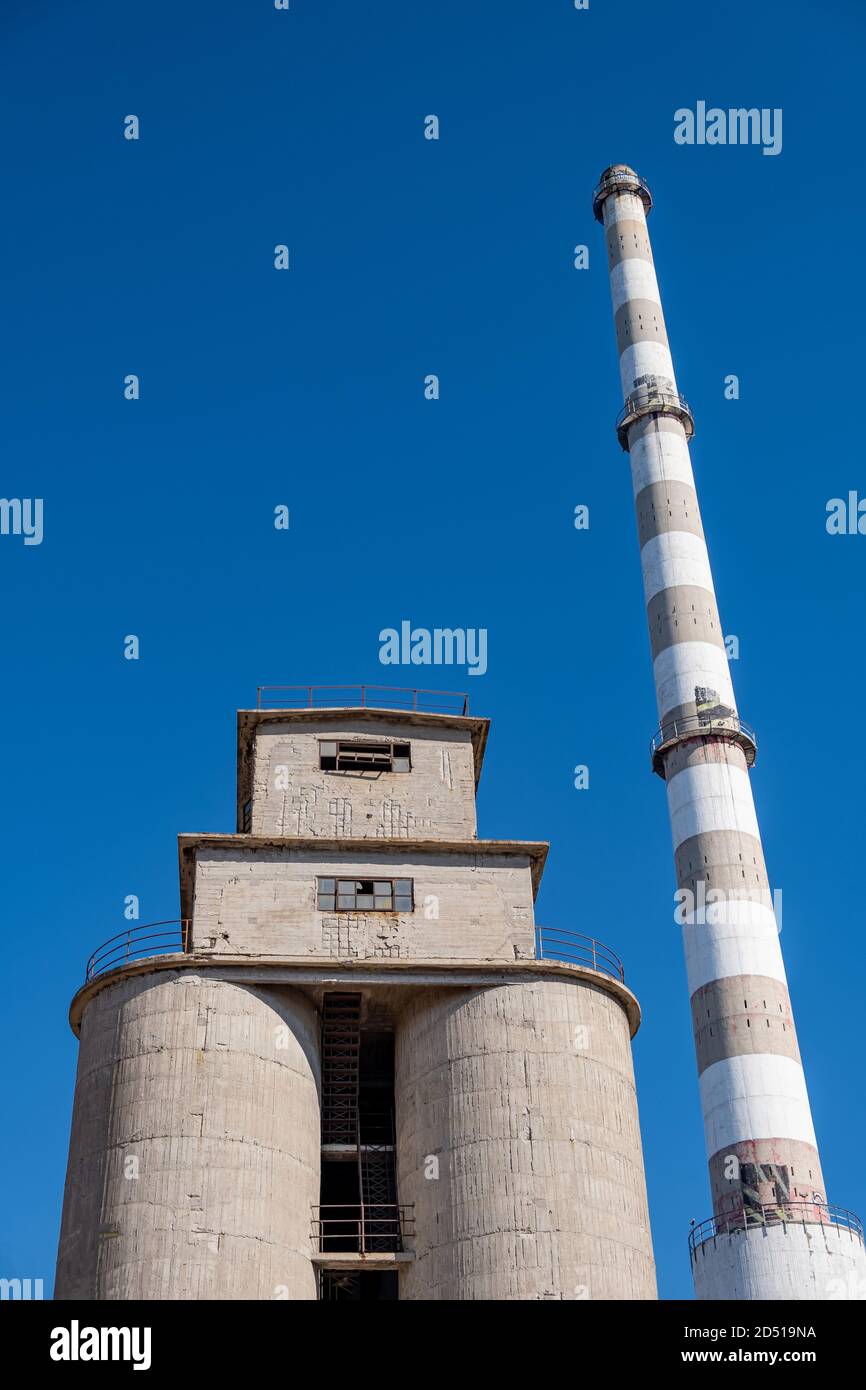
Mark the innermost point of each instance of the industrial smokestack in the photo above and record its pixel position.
(772, 1234)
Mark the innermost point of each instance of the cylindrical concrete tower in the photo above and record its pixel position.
(194, 1156)
(519, 1145)
(772, 1228)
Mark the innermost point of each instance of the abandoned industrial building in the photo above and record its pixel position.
(357, 1068)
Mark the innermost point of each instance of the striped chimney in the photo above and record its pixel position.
(772, 1234)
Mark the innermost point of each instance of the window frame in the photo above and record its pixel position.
(387, 894)
(381, 747)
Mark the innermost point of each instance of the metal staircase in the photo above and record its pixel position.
(358, 1216)
(378, 1180)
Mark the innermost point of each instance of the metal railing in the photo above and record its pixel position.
(653, 400)
(775, 1214)
(362, 697)
(172, 938)
(619, 181)
(553, 943)
(362, 1229)
(149, 939)
(703, 725)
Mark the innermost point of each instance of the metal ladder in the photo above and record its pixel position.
(341, 1048)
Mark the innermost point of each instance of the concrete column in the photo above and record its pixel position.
(760, 1140)
(194, 1155)
(518, 1143)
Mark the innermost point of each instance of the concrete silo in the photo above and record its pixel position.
(357, 1067)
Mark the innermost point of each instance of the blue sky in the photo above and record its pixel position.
(305, 388)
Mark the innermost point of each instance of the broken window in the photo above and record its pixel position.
(349, 755)
(365, 895)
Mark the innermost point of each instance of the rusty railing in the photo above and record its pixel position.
(703, 726)
(149, 939)
(653, 400)
(362, 697)
(775, 1214)
(554, 943)
(361, 1228)
(619, 181)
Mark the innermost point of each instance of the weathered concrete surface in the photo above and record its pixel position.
(194, 1154)
(477, 905)
(790, 1261)
(524, 1096)
(291, 795)
(515, 1072)
(383, 979)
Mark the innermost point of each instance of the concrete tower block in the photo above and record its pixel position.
(263, 901)
(241, 1128)
(524, 1097)
(194, 1155)
(424, 788)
